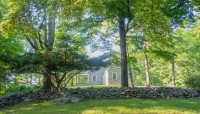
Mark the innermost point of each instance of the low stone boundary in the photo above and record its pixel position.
(100, 93)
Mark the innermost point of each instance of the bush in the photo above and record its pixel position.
(20, 88)
(193, 82)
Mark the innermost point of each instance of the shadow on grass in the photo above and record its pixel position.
(110, 106)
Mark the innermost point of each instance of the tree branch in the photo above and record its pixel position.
(63, 76)
(179, 4)
(32, 44)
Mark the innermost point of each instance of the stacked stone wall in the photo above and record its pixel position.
(100, 93)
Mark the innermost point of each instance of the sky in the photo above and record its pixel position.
(99, 52)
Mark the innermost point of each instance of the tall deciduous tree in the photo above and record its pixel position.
(9, 47)
(161, 17)
(34, 21)
(152, 17)
(37, 22)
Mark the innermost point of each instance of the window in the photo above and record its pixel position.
(94, 78)
(114, 76)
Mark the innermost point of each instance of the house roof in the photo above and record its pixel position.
(103, 68)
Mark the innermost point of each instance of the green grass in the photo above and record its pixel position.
(134, 106)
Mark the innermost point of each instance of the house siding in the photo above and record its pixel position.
(110, 77)
(104, 76)
(99, 77)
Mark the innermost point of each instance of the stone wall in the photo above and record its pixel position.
(100, 93)
(139, 93)
(36, 96)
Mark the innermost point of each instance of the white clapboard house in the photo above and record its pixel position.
(104, 76)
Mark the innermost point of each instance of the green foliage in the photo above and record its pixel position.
(193, 82)
(50, 27)
(150, 27)
(20, 88)
(9, 48)
(178, 10)
(83, 79)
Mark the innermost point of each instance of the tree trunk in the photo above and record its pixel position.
(51, 31)
(124, 70)
(147, 70)
(131, 84)
(39, 80)
(31, 79)
(5, 85)
(59, 85)
(45, 28)
(47, 83)
(76, 79)
(173, 74)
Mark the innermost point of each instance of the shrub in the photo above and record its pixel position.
(193, 82)
(20, 88)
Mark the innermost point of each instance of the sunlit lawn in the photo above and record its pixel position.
(109, 107)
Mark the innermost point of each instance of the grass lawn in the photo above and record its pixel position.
(134, 106)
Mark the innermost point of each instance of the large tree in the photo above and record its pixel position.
(57, 50)
(37, 22)
(152, 17)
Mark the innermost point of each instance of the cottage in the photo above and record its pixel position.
(103, 76)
